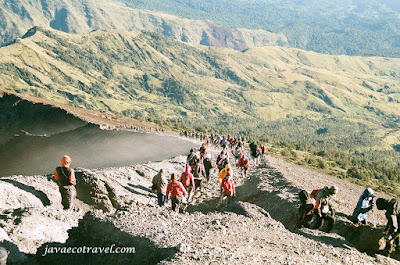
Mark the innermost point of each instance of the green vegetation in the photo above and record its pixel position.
(359, 170)
(343, 111)
(333, 27)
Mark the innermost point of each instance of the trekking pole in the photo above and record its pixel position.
(373, 217)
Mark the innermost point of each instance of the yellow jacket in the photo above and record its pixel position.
(223, 173)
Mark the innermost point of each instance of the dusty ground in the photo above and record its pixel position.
(116, 206)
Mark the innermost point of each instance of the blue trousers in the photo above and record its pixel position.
(161, 198)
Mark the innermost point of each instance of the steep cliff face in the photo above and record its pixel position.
(74, 16)
(19, 116)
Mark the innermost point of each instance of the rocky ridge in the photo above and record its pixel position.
(116, 206)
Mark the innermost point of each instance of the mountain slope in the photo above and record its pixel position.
(334, 27)
(84, 16)
(343, 102)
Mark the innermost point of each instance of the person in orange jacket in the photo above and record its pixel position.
(65, 177)
(228, 190)
(178, 193)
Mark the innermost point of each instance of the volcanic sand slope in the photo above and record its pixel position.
(257, 228)
(284, 93)
(84, 16)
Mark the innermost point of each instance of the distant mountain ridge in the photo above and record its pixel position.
(339, 102)
(352, 27)
(74, 16)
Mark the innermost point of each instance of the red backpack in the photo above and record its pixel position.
(228, 186)
(185, 179)
(314, 193)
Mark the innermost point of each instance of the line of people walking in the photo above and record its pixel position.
(315, 210)
(198, 171)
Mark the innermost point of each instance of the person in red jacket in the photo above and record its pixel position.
(65, 177)
(178, 193)
(262, 147)
(228, 191)
(188, 182)
(244, 165)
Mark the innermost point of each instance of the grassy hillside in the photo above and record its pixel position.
(339, 102)
(77, 16)
(329, 26)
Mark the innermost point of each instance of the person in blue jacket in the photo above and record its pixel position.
(364, 205)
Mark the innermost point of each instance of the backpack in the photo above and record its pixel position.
(228, 186)
(303, 195)
(197, 171)
(193, 160)
(185, 179)
(314, 193)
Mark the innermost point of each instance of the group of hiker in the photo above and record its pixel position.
(318, 204)
(198, 170)
(315, 209)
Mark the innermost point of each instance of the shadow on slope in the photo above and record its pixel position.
(39, 194)
(97, 233)
(268, 189)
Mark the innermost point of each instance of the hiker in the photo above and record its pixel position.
(224, 143)
(65, 177)
(222, 160)
(306, 209)
(178, 194)
(244, 165)
(255, 152)
(203, 151)
(238, 153)
(190, 156)
(223, 173)
(262, 147)
(228, 191)
(188, 182)
(392, 214)
(364, 205)
(258, 156)
(323, 209)
(194, 159)
(199, 175)
(160, 183)
(207, 166)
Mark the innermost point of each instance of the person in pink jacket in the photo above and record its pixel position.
(188, 182)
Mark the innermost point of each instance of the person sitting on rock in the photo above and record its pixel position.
(188, 182)
(392, 214)
(160, 183)
(364, 205)
(178, 194)
(306, 209)
(327, 213)
(244, 165)
(323, 208)
(228, 191)
(65, 177)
